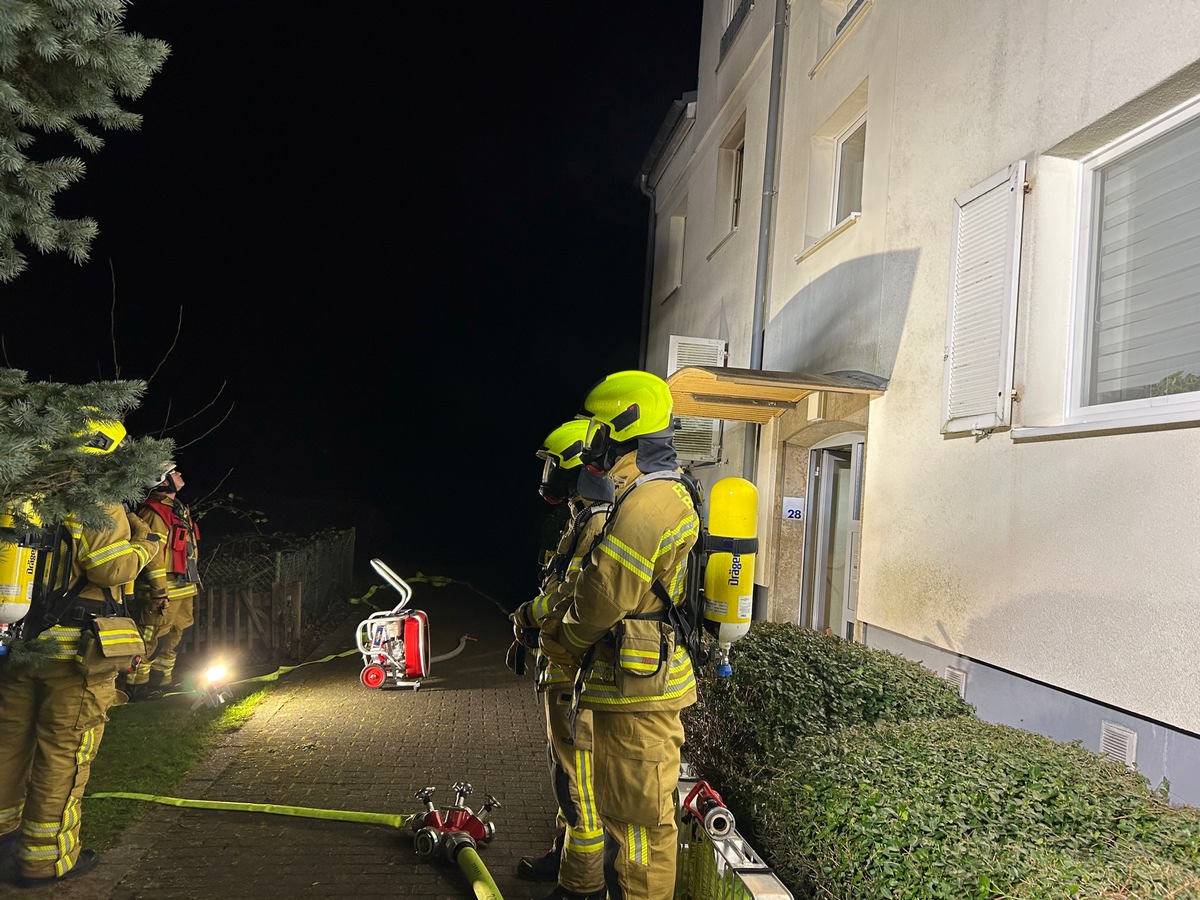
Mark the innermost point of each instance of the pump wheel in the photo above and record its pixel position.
(373, 676)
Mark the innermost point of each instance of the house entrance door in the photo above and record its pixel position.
(831, 548)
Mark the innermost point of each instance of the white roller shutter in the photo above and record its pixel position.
(696, 439)
(981, 328)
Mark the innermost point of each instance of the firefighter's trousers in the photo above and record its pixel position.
(582, 866)
(637, 773)
(51, 721)
(162, 633)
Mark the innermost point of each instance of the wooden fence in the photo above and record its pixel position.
(236, 618)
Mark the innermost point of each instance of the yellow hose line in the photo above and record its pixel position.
(481, 879)
(307, 812)
(283, 670)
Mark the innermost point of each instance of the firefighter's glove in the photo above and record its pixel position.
(515, 659)
(555, 651)
(525, 632)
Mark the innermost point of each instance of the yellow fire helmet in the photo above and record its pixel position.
(100, 435)
(565, 444)
(562, 452)
(627, 405)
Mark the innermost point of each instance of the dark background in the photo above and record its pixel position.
(406, 238)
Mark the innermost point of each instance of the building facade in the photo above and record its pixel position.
(937, 266)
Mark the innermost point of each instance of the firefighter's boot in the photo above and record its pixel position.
(154, 687)
(85, 863)
(542, 868)
(561, 893)
(137, 692)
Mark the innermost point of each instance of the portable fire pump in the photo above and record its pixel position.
(395, 644)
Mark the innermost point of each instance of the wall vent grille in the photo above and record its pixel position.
(958, 678)
(1118, 743)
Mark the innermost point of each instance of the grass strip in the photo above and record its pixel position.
(151, 746)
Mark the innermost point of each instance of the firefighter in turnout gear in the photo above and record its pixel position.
(635, 678)
(576, 859)
(166, 590)
(54, 702)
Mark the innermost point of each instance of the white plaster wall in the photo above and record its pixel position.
(715, 298)
(1073, 561)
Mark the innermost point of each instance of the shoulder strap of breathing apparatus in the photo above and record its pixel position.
(561, 563)
(53, 592)
(686, 616)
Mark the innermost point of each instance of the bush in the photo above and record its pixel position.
(791, 683)
(959, 808)
(859, 774)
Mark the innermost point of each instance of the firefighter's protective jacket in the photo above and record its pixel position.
(161, 578)
(578, 536)
(615, 618)
(105, 560)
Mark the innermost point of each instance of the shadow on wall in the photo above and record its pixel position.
(850, 317)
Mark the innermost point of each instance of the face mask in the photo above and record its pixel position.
(595, 487)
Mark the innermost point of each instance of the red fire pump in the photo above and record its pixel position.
(395, 644)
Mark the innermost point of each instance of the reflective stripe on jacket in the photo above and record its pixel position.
(555, 592)
(107, 557)
(158, 579)
(647, 540)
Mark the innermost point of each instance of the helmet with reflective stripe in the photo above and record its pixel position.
(100, 435)
(565, 444)
(627, 405)
(562, 451)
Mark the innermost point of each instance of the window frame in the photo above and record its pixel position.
(839, 144)
(1148, 410)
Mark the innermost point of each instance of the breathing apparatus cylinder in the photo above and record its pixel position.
(18, 569)
(729, 573)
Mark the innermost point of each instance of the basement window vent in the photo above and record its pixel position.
(1118, 743)
(958, 678)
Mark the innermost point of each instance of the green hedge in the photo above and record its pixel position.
(790, 683)
(959, 808)
(858, 775)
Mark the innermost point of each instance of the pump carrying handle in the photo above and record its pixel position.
(395, 581)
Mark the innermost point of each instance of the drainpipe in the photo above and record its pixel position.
(766, 223)
(648, 276)
(766, 218)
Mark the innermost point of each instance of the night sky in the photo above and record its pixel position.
(405, 237)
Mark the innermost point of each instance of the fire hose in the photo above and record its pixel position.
(452, 832)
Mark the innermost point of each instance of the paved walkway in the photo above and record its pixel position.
(321, 739)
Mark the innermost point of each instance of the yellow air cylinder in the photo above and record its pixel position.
(729, 575)
(17, 567)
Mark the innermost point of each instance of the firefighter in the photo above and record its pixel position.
(54, 703)
(576, 860)
(635, 678)
(165, 591)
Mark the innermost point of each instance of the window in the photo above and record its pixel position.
(835, 172)
(1136, 347)
(735, 12)
(836, 19)
(985, 254)
(668, 267)
(851, 153)
(696, 439)
(730, 168)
